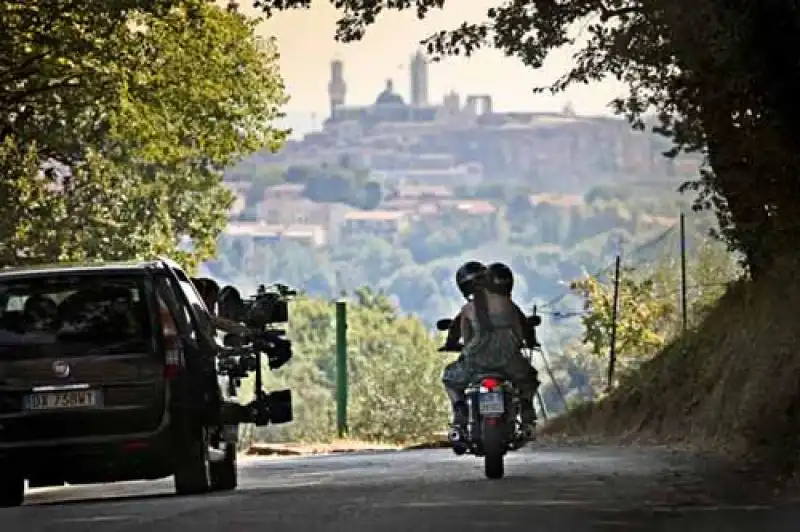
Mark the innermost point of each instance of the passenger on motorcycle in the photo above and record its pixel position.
(502, 280)
(493, 334)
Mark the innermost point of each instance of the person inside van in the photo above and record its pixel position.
(209, 290)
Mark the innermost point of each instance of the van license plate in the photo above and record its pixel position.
(491, 403)
(64, 400)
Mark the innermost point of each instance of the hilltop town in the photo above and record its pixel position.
(395, 195)
(424, 155)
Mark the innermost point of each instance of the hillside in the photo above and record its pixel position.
(410, 248)
(731, 383)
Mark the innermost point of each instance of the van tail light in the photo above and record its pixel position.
(173, 351)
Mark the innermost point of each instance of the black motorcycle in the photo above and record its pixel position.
(494, 424)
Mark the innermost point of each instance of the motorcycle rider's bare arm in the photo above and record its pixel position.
(454, 332)
(466, 326)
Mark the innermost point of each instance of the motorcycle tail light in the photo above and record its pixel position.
(490, 383)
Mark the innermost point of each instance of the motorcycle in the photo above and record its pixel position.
(494, 424)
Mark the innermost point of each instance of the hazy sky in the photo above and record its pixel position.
(305, 40)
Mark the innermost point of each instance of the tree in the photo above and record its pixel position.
(715, 74)
(164, 99)
(644, 318)
(394, 372)
(57, 59)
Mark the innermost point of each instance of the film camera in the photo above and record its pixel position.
(261, 312)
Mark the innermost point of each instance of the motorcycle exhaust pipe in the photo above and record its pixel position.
(454, 435)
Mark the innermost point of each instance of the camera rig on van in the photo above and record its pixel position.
(261, 312)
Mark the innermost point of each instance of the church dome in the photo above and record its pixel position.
(388, 96)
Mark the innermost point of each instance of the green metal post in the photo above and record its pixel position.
(341, 368)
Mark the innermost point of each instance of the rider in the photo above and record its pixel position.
(464, 277)
(501, 282)
(493, 336)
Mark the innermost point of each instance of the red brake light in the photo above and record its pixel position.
(173, 354)
(135, 446)
(490, 383)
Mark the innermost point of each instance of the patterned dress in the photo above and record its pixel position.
(494, 351)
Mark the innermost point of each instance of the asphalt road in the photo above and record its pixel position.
(545, 489)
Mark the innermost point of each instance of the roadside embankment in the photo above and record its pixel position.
(732, 384)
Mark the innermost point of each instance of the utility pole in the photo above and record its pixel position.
(684, 305)
(612, 349)
(341, 367)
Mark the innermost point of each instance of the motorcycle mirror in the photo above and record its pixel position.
(444, 324)
(232, 340)
(230, 304)
(534, 321)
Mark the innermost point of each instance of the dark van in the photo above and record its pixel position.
(103, 378)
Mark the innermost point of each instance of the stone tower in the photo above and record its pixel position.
(337, 89)
(419, 80)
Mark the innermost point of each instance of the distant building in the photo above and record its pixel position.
(556, 200)
(471, 207)
(337, 88)
(419, 80)
(286, 205)
(285, 191)
(422, 191)
(382, 223)
(464, 141)
(261, 233)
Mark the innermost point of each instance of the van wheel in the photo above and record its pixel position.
(224, 474)
(12, 488)
(193, 468)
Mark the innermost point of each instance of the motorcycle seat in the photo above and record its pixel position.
(493, 375)
(498, 376)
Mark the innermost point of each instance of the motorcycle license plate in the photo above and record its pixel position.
(491, 403)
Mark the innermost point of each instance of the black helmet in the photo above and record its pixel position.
(501, 279)
(230, 304)
(468, 275)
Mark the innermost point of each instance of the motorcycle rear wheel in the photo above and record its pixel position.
(494, 450)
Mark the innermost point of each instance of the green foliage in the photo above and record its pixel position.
(649, 313)
(394, 369)
(349, 185)
(61, 69)
(643, 321)
(340, 184)
(136, 113)
(27, 204)
(448, 235)
(547, 245)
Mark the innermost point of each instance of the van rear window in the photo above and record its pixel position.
(86, 313)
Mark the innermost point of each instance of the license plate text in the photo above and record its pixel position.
(62, 400)
(491, 403)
